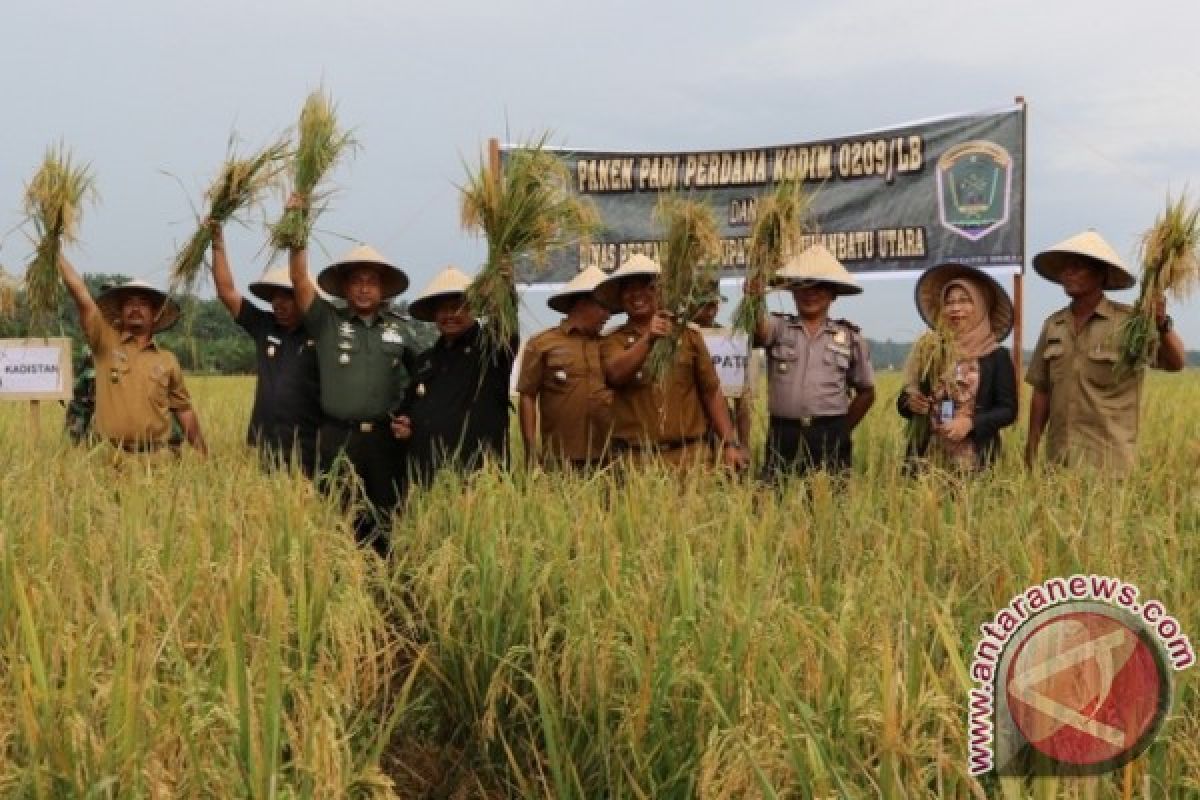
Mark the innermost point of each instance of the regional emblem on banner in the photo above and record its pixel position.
(974, 182)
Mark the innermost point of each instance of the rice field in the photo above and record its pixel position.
(202, 629)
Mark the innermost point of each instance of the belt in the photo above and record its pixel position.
(626, 446)
(361, 426)
(139, 446)
(808, 422)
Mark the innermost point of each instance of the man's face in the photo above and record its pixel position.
(639, 296)
(1081, 277)
(138, 310)
(283, 304)
(364, 289)
(589, 315)
(452, 316)
(812, 301)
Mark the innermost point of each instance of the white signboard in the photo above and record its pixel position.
(35, 369)
(730, 353)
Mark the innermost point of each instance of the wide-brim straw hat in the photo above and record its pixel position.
(583, 284)
(817, 266)
(273, 279)
(449, 282)
(111, 300)
(932, 284)
(394, 279)
(608, 292)
(1089, 244)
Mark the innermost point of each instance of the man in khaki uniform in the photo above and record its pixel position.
(561, 383)
(670, 420)
(138, 386)
(819, 381)
(1089, 406)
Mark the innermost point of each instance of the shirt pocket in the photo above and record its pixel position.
(1102, 368)
(782, 359)
(559, 375)
(1055, 360)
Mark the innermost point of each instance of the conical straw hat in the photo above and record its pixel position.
(394, 279)
(584, 283)
(110, 301)
(932, 284)
(1089, 244)
(447, 283)
(816, 265)
(276, 277)
(608, 292)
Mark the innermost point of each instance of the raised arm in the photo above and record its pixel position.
(227, 292)
(88, 309)
(1171, 355)
(621, 369)
(306, 291)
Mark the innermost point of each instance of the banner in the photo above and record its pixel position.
(35, 369)
(896, 200)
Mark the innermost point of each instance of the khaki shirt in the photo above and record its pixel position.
(136, 388)
(812, 376)
(646, 412)
(561, 368)
(1093, 414)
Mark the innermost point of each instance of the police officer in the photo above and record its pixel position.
(561, 384)
(140, 386)
(820, 383)
(1089, 406)
(458, 409)
(364, 363)
(287, 407)
(667, 421)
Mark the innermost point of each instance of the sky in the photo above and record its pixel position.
(149, 94)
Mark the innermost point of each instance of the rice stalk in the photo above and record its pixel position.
(54, 200)
(930, 363)
(320, 144)
(524, 213)
(774, 238)
(240, 183)
(1169, 266)
(690, 263)
(8, 293)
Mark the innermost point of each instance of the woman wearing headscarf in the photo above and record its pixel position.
(976, 395)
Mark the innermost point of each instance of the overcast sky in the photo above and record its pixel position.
(143, 88)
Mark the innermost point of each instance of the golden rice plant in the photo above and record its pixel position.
(690, 263)
(1169, 266)
(930, 363)
(524, 212)
(778, 224)
(240, 183)
(54, 200)
(320, 144)
(8, 293)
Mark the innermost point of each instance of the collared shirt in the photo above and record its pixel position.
(648, 412)
(459, 403)
(811, 376)
(287, 403)
(364, 364)
(561, 368)
(137, 388)
(1093, 410)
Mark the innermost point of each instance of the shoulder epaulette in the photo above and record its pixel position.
(845, 323)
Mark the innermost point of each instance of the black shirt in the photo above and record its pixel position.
(459, 403)
(287, 394)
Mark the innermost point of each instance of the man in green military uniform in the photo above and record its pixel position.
(364, 363)
(1089, 407)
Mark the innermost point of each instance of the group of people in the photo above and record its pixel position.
(343, 385)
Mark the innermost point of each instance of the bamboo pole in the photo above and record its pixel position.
(1019, 278)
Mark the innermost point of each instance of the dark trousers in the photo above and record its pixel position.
(799, 446)
(377, 460)
(279, 453)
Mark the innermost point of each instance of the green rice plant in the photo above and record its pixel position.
(524, 211)
(320, 145)
(691, 259)
(240, 183)
(54, 201)
(1169, 266)
(778, 224)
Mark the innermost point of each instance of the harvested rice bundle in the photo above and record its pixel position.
(775, 236)
(524, 212)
